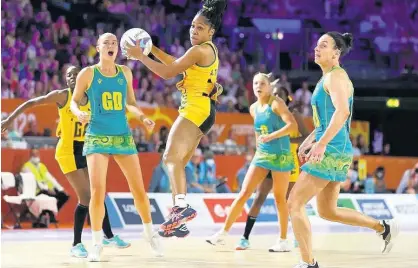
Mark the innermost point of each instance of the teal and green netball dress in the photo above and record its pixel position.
(339, 152)
(108, 131)
(276, 154)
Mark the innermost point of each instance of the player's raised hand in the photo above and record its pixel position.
(134, 52)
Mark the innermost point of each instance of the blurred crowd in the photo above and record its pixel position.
(38, 46)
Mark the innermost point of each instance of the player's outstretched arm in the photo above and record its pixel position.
(57, 96)
(162, 56)
(83, 80)
(131, 104)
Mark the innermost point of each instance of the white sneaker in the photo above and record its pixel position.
(303, 264)
(282, 245)
(389, 235)
(217, 239)
(95, 254)
(155, 244)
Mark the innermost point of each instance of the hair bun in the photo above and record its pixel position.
(348, 39)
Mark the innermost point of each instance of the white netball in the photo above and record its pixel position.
(134, 34)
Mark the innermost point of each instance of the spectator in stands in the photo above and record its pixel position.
(361, 144)
(302, 99)
(33, 130)
(356, 150)
(192, 173)
(46, 183)
(207, 175)
(160, 183)
(351, 183)
(379, 180)
(163, 139)
(141, 144)
(407, 181)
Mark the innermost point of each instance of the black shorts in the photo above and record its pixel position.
(210, 120)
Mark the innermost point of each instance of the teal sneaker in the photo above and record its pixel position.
(79, 251)
(296, 243)
(243, 244)
(115, 241)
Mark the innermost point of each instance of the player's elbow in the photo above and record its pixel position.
(344, 113)
(168, 74)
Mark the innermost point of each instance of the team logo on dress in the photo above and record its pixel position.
(120, 81)
(99, 81)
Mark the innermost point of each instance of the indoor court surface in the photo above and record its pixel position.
(349, 249)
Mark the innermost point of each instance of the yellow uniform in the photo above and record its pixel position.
(69, 151)
(294, 174)
(199, 93)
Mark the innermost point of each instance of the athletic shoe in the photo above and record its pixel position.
(96, 253)
(155, 244)
(389, 235)
(282, 245)
(179, 232)
(243, 244)
(178, 216)
(79, 251)
(217, 239)
(115, 241)
(306, 265)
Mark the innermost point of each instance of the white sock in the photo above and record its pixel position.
(97, 237)
(180, 200)
(148, 230)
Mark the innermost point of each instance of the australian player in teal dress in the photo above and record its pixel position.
(109, 89)
(328, 153)
(273, 124)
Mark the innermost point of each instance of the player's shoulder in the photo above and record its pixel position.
(63, 91)
(277, 102)
(87, 71)
(252, 108)
(126, 70)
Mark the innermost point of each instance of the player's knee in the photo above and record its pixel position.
(294, 206)
(98, 194)
(169, 158)
(259, 199)
(326, 213)
(245, 194)
(84, 198)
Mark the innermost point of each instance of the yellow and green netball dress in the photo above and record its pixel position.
(339, 152)
(276, 154)
(108, 131)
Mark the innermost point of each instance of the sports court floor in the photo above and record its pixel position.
(335, 248)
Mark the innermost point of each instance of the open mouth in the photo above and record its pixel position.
(110, 53)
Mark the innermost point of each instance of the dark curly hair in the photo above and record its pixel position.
(213, 11)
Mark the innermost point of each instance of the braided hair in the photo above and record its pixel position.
(213, 11)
